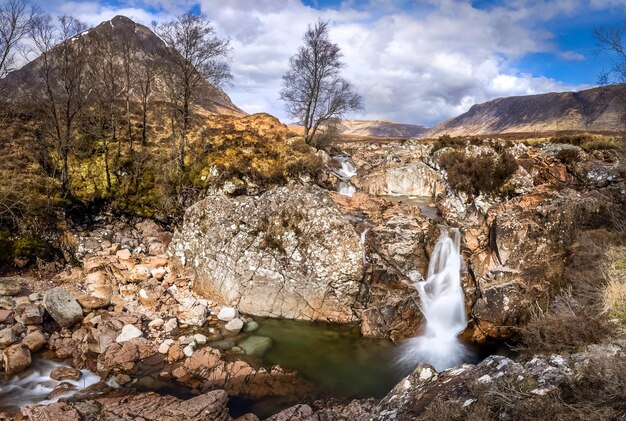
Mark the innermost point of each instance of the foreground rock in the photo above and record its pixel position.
(288, 253)
(123, 405)
(63, 308)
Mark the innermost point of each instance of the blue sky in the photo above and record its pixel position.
(412, 61)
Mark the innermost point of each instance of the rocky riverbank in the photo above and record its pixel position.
(140, 302)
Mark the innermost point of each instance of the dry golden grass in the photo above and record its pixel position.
(614, 293)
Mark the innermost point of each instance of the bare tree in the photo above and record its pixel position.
(610, 40)
(62, 74)
(313, 90)
(196, 55)
(148, 72)
(127, 50)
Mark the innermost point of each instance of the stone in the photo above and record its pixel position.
(234, 326)
(16, 358)
(255, 345)
(65, 373)
(34, 341)
(140, 273)
(189, 349)
(156, 323)
(8, 336)
(6, 316)
(200, 339)
(35, 296)
(227, 314)
(10, 286)
(158, 273)
(28, 314)
(91, 302)
(223, 345)
(128, 332)
(165, 346)
(123, 254)
(251, 326)
(63, 308)
(61, 389)
(287, 253)
(195, 315)
(170, 325)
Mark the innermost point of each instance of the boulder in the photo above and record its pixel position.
(255, 345)
(10, 286)
(287, 253)
(227, 314)
(34, 341)
(234, 326)
(65, 373)
(16, 358)
(63, 308)
(28, 314)
(8, 336)
(128, 332)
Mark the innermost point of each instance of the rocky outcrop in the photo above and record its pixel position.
(124, 405)
(381, 128)
(288, 253)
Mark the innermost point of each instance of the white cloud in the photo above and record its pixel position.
(418, 62)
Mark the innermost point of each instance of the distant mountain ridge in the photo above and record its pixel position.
(600, 109)
(24, 84)
(381, 128)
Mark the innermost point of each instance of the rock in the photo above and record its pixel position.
(255, 345)
(200, 339)
(63, 308)
(90, 302)
(123, 254)
(250, 326)
(165, 346)
(223, 345)
(128, 332)
(189, 349)
(140, 273)
(158, 273)
(65, 373)
(16, 358)
(227, 314)
(170, 325)
(136, 356)
(35, 296)
(28, 314)
(10, 286)
(195, 315)
(234, 326)
(296, 412)
(6, 316)
(8, 336)
(156, 323)
(287, 253)
(34, 341)
(60, 390)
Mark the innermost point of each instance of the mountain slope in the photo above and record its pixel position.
(597, 109)
(381, 128)
(25, 84)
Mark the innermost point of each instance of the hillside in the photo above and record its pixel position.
(597, 109)
(381, 128)
(25, 84)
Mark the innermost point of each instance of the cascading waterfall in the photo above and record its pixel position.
(345, 173)
(442, 303)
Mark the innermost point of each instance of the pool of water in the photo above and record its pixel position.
(425, 203)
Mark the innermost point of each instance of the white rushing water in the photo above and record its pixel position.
(345, 173)
(442, 303)
(34, 385)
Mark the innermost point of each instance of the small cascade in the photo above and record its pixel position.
(362, 237)
(443, 307)
(34, 386)
(345, 173)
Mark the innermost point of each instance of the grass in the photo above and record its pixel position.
(614, 293)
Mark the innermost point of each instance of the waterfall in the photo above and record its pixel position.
(362, 237)
(443, 307)
(345, 173)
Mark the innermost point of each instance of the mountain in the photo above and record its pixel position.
(598, 109)
(381, 128)
(25, 84)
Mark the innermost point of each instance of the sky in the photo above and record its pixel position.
(418, 62)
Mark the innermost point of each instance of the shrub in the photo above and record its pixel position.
(568, 156)
(572, 139)
(475, 175)
(447, 141)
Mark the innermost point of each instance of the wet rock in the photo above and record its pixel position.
(227, 314)
(128, 332)
(234, 326)
(16, 358)
(63, 308)
(65, 373)
(200, 339)
(35, 341)
(255, 345)
(10, 286)
(399, 320)
(288, 253)
(134, 356)
(250, 326)
(296, 412)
